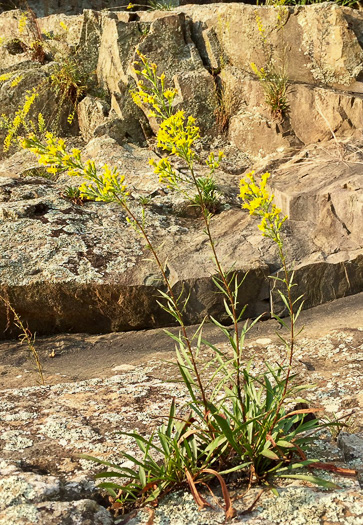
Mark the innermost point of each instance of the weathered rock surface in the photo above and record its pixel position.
(85, 268)
(351, 445)
(206, 52)
(44, 429)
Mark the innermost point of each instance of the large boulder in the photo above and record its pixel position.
(318, 44)
(319, 48)
(86, 269)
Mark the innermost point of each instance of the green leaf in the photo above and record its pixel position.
(285, 300)
(100, 461)
(269, 454)
(227, 431)
(189, 383)
(128, 473)
(284, 444)
(269, 393)
(235, 469)
(300, 464)
(312, 479)
(138, 438)
(171, 418)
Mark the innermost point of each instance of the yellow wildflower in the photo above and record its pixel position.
(5, 77)
(258, 201)
(63, 25)
(22, 23)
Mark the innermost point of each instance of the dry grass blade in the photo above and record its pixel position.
(26, 336)
(214, 497)
(300, 452)
(199, 500)
(230, 512)
(301, 411)
(330, 467)
(254, 503)
(271, 439)
(186, 435)
(151, 512)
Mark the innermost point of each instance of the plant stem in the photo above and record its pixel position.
(229, 293)
(26, 336)
(292, 330)
(175, 305)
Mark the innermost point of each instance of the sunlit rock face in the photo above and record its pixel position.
(83, 266)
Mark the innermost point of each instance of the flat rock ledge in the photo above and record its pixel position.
(86, 270)
(44, 429)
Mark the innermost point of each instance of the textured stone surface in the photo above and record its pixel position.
(206, 53)
(218, 42)
(352, 446)
(300, 35)
(44, 429)
(324, 71)
(85, 268)
(92, 113)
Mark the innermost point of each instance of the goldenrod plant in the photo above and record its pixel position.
(68, 81)
(21, 121)
(28, 27)
(274, 82)
(272, 75)
(236, 419)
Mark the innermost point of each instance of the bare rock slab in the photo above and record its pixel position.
(87, 270)
(352, 446)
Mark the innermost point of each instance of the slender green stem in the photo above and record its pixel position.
(292, 330)
(175, 305)
(229, 292)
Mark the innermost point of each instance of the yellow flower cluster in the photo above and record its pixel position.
(166, 173)
(5, 77)
(52, 153)
(257, 200)
(22, 23)
(213, 162)
(16, 80)
(105, 186)
(63, 25)
(41, 123)
(260, 27)
(177, 135)
(155, 94)
(20, 119)
(261, 73)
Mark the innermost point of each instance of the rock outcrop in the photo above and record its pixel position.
(84, 268)
(43, 429)
(207, 53)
